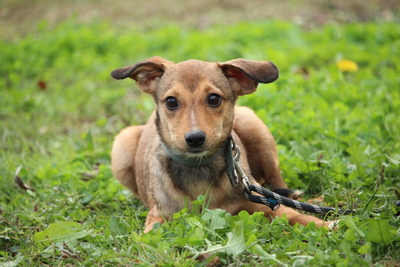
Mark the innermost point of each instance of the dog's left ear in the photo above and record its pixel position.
(244, 75)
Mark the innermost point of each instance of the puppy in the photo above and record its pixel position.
(180, 153)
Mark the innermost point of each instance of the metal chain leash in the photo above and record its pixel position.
(269, 198)
(274, 200)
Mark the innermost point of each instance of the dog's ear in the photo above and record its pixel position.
(244, 75)
(146, 73)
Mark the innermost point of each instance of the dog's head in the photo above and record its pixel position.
(196, 99)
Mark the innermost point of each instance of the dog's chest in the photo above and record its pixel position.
(195, 181)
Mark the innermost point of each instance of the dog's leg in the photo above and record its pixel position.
(292, 215)
(295, 217)
(152, 218)
(260, 148)
(123, 156)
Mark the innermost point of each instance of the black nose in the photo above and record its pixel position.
(195, 138)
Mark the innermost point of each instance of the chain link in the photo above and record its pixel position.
(238, 169)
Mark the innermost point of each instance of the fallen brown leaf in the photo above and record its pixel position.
(19, 182)
(42, 85)
(87, 176)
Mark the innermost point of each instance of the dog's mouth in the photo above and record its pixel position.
(200, 151)
(195, 157)
(197, 153)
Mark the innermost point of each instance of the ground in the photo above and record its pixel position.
(19, 17)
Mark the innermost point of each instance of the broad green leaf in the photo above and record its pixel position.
(257, 249)
(196, 235)
(244, 215)
(163, 245)
(212, 248)
(395, 159)
(89, 142)
(87, 198)
(365, 249)
(345, 247)
(236, 242)
(380, 231)
(319, 256)
(194, 222)
(177, 215)
(302, 150)
(217, 218)
(93, 186)
(116, 227)
(59, 232)
(251, 240)
(199, 201)
(349, 221)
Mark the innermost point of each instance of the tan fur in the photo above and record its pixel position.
(141, 164)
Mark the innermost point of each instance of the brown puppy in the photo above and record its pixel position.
(178, 155)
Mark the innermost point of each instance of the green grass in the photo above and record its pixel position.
(338, 135)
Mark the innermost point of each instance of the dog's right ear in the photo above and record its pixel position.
(146, 73)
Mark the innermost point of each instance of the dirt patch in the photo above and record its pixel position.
(19, 16)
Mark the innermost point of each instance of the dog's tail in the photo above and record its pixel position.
(286, 192)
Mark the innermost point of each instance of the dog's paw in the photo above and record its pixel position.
(333, 225)
(296, 194)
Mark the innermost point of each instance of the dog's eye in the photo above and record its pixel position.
(214, 100)
(171, 102)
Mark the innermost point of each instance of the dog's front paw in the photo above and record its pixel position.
(333, 225)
